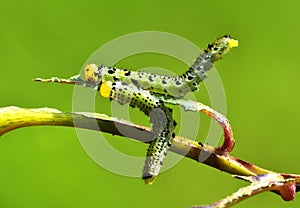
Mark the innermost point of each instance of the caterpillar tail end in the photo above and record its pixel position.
(148, 178)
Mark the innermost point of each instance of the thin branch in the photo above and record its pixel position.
(259, 184)
(14, 117)
(189, 105)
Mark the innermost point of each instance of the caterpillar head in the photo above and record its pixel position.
(93, 77)
(221, 46)
(91, 72)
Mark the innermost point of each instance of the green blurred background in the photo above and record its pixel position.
(47, 166)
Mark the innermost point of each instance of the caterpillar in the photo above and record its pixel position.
(141, 89)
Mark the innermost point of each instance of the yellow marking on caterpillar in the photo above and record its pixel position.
(149, 181)
(233, 43)
(105, 89)
(89, 72)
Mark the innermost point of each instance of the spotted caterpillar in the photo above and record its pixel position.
(141, 90)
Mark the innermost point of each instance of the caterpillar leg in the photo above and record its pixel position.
(160, 116)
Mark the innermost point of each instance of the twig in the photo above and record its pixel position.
(14, 117)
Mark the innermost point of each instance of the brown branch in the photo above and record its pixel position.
(14, 117)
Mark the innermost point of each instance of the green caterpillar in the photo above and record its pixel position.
(141, 90)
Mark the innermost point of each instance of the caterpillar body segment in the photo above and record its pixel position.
(160, 116)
